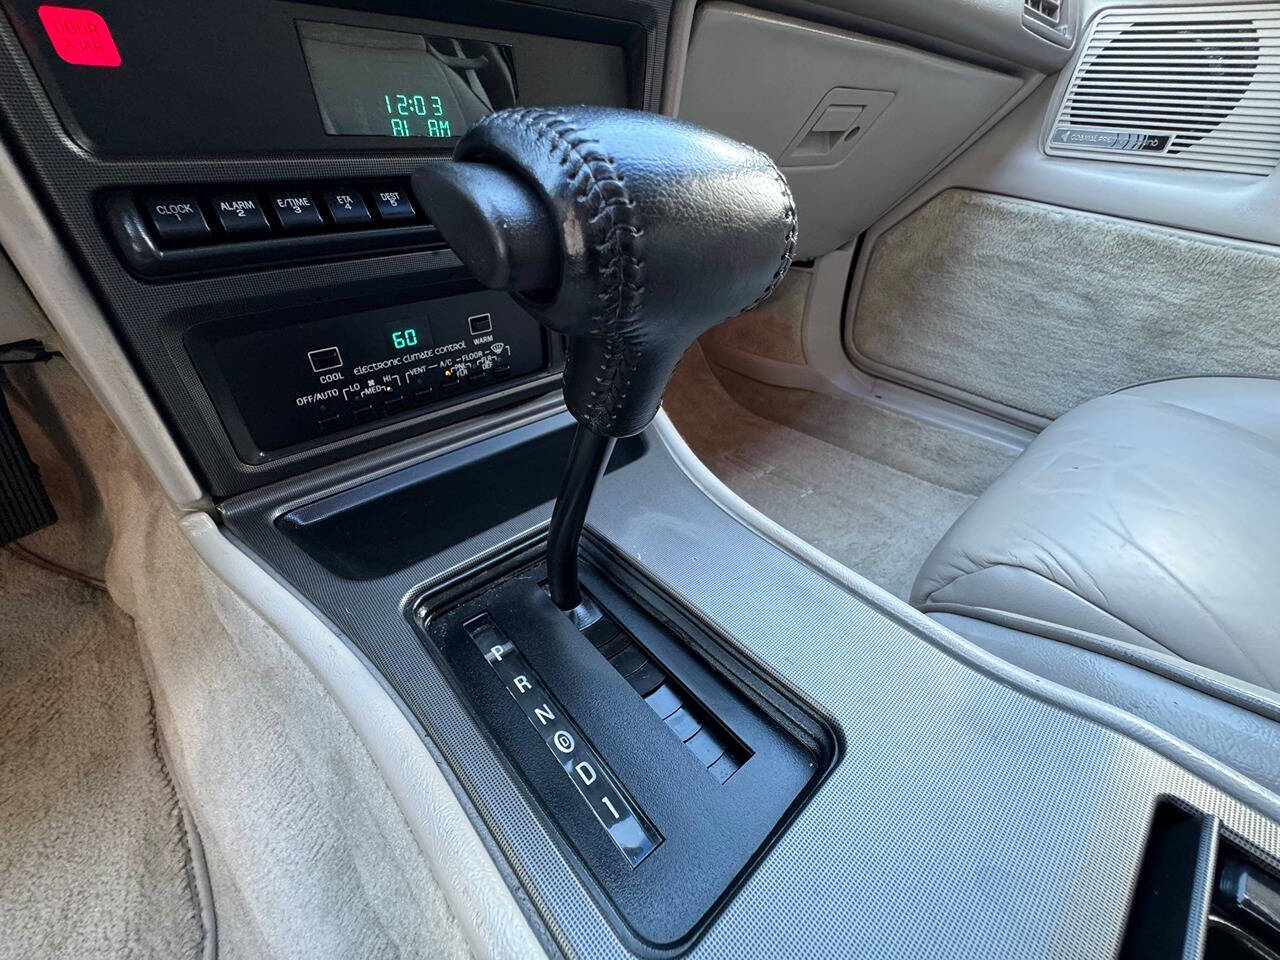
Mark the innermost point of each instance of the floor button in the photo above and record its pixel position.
(630, 659)
(602, 631)
(724, 768)
(647, 679)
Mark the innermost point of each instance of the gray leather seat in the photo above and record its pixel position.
(1149, 516)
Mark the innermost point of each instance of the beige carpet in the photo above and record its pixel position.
(869, 487)
(95, 860)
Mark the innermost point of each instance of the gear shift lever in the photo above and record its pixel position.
(629, 233)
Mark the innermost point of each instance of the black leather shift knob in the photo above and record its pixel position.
(657, 231)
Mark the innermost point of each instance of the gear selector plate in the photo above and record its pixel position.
(666, 763)
(593, 778)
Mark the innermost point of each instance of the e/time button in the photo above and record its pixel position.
(294, 210)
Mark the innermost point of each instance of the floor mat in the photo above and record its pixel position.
(94, 855)
(873, 510)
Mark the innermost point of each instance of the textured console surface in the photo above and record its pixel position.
(972, 813)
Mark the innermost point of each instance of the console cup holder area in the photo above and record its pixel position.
(1201, 893)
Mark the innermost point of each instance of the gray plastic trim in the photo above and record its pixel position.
(952, 644)
(1009, 160)
(936, 105)
(85, 337)
(1240, 693)
(476, 891)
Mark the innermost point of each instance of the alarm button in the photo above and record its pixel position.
(294, 210)
(240, 214)
(177, 219)
(394, 204)
(346, 208)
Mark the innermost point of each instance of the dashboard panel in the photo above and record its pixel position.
(238, 201)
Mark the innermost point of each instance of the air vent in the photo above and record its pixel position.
(1191, 87)
(1046, 11)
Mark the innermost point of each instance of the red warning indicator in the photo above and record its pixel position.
(80, 36)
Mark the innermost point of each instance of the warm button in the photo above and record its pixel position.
(240, 214)
(294, 210)
(177, 219)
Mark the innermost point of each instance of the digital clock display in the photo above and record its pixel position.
(385, 83)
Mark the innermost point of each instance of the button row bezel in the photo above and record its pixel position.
(275, 222)
(130, 227)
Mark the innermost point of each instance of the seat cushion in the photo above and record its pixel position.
(1150, 516)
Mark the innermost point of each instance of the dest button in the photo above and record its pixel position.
(294, 210)
(394, 204)
(240, 214)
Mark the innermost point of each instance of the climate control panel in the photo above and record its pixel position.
(281, 384)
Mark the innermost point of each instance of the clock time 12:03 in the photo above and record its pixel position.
(408, 110)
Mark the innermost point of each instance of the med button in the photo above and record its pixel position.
(178, 219)
(394, 204)
(240, 214)
(294, 210)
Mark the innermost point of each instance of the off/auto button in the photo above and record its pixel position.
(294, 210)
(177, 219)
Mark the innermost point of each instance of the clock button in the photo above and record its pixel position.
(177, 219)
